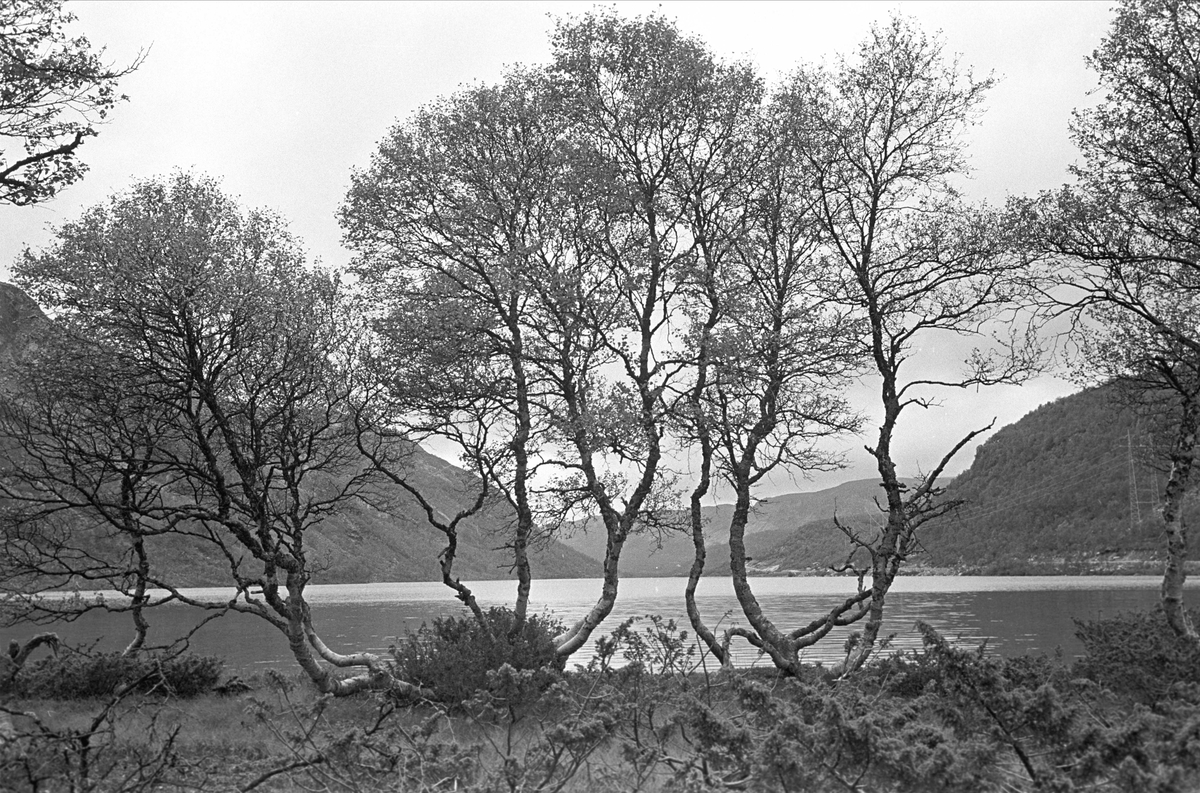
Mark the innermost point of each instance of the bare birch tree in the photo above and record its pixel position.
(656, 117)
(534, 238)
(771, 354)
(883, 136)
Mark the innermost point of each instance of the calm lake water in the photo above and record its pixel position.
(1014, 615)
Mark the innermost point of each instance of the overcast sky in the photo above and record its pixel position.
(281, 100)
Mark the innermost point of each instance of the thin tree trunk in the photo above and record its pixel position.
(884, 561)
(883, 574)
(525, 518)
(130, 526)
(461, 590)
(617, 522)
(719, 650)
(1175, 526)
(450, 530)
(524, 579)
(139, 598)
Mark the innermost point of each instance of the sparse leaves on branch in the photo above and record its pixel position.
(54, 91)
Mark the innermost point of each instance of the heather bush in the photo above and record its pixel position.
(792, 735)
(452, 657)
(76, 675)
(1137, 654)
(942, 718)
(659, 648)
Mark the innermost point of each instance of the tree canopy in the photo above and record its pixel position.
(202, 384)
(588, 272)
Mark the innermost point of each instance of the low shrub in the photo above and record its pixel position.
(660, 647)
(452, 657)
(902, 674)
(942, 718)
(642, 716)
(798, 736)
(75, 675)
(1137, 654)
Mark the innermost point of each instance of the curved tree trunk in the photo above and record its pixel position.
(887, 556)
(618, 521)
(779, 646)
(18, 654)
(448, 528)
(139, 597)
(720, 650)
(905, 515)
(574, 638)
(461, 591)
(304, 642)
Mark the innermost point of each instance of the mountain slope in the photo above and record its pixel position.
(361, 545)
(1071, 487)
(1071, 480)
(21, 323)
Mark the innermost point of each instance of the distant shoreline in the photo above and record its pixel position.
(1082, 568)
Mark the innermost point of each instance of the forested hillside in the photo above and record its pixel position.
(1076, 483)
(1071, 487)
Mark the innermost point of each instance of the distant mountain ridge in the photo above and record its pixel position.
(775, 519)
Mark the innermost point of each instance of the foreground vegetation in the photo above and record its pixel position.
(643, 715)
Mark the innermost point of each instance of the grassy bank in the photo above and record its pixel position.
(645, 716)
